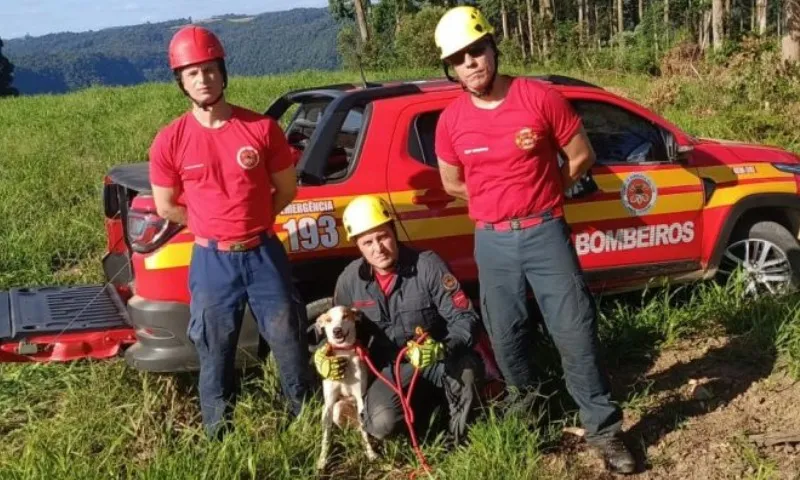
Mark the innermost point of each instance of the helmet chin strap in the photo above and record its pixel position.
(477, 93)
(206, 106)
(486, 91)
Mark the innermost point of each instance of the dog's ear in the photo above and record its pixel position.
(319, 325)
(356, 313)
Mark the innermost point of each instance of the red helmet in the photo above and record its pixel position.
(192, 45)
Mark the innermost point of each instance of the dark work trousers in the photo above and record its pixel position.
(451, 382)
(221, 284)
(544, 256)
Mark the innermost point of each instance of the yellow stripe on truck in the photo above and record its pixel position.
(175, 255)
(613, 209)
(742, 171)
(171, 255)
(612, 182)
(731, 195)
(428, 228)
(403, 201)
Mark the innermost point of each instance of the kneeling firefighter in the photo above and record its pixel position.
(397, 291)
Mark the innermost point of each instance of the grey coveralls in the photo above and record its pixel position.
(427, 295)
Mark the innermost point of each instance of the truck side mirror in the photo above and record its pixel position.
(676, 152)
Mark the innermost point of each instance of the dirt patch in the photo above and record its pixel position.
(690, 414)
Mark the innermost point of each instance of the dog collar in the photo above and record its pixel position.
(354, 346)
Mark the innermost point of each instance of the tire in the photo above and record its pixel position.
(769, 256)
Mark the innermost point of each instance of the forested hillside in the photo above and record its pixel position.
(256, 45)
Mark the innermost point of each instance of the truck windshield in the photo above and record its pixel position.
(304, 121)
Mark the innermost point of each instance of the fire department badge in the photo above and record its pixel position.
(526, 139)
(449, 282)
(247, 157)
(460, 300)
(638, 193)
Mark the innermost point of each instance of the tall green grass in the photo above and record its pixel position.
(97, 420)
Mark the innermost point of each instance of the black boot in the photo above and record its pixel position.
(616, 456)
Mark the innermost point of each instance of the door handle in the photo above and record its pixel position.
(432, 198)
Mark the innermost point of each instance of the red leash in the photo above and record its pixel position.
(405, 401)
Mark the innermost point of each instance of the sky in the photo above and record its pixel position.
(40, 17)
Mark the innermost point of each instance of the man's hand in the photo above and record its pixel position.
(330, 367)
(579, 157)
(451, 180)
(425, 354)
(164, 198)
(285, 184)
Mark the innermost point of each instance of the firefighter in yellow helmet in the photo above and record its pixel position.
(497, 147)
(398, 289)
(464, 30)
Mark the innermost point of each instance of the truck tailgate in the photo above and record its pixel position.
(5, 316)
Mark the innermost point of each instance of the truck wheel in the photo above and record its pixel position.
(768, 256)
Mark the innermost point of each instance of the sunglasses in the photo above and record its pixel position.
(475, 50)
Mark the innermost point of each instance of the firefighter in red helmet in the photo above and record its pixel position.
(236, 172)
(195, 46)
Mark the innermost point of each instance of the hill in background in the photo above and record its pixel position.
(274, 42)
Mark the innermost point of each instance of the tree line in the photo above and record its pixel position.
(629, 35)
(585, 33)
(6, 75)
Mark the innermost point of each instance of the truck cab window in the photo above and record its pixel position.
(421, 138)
(339, 158)
(619, 136)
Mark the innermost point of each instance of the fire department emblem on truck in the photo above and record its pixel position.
(638, 194)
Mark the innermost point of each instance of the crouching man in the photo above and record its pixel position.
(398, 289)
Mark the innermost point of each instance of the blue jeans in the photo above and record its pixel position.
(545, 257)
(221, 283)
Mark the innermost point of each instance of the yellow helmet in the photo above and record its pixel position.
(364, 213)
(459, 27)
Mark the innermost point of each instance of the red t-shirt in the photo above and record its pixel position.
(509, 153)
(224, 173)
(385, 281)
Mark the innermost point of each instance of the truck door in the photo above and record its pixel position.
(644, 217)
(430, 218)
(336, 149)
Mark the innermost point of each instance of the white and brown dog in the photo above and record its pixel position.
(339, 325)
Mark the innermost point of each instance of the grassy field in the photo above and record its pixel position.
(90, 420)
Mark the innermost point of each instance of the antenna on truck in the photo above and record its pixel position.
(361, 69)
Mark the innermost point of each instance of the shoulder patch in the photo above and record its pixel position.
(449, 282)
(460, 300)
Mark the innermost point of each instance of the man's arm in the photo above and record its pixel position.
(579, 157)
(285, 184)
(452, 303)
(452, 180)
(166, 207)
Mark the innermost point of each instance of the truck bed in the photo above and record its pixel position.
(62, 323)
(36, 311)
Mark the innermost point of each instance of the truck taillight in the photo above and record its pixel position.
(147, 231)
